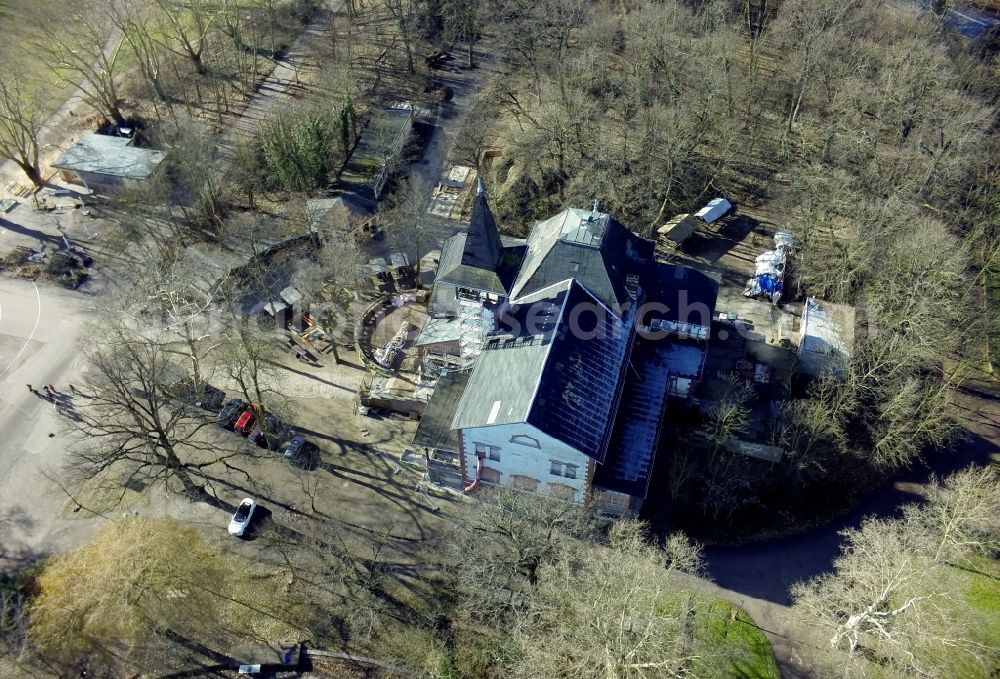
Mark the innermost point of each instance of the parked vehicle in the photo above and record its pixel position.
(231, 412)
(300, 452)
(269, 432)
(245, 421)
(242, 518)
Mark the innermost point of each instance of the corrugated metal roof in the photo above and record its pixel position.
(437, 330)
(434, 430)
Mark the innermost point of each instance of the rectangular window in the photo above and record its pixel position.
(562, 469)
(488, 452)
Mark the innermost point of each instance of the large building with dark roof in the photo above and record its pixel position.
(571, 343)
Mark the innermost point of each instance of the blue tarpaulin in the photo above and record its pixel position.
(769, 284)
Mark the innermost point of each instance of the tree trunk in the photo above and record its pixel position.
(409, 56)
(32, 172)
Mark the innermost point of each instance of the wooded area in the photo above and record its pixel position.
(868, 129)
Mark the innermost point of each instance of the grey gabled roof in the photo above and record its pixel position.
(502, 387)
(562, 374)
(434, 430)
(111, 156)
(592, 247)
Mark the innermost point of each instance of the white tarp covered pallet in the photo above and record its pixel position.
(715, 210)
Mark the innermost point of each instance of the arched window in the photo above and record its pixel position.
(525, 440)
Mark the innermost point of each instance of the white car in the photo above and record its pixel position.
(242, 517)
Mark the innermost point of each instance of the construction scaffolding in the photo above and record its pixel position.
(475, 322)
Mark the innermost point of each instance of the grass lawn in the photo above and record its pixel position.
(983, 599)
(21, 60)
(736, 636)
(993, 290)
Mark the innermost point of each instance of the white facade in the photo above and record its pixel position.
(526, 454)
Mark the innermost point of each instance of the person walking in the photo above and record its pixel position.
(52, 389)
(31, 389)
(73, 390)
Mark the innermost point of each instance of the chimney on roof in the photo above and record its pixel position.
(597, 204)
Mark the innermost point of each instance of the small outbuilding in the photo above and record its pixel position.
(826, 337)
(347, 213)
(378, 150)
(101, 162)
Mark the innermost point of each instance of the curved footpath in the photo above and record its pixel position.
(757, 577)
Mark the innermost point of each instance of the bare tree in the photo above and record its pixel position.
(136, 579)
(405, 14)
(139, 27)
(189, 24)
(962, 514)
(20, 125)
(893, 598)
(248, 357)
(503, 542)
(616, 608)
(407, 221)
(729, 413)
(328, 278)
(187, 313)
(89, 59)
(463, 21)
(131, 422)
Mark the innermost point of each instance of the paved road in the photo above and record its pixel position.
(758, 576)
(39, 327)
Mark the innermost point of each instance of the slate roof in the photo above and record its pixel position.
(578, 393)
(434, 430)
(478, 259)
(452, 271)
(508, 369)
(112, 156)
(592, 247)
(482, 244)
(634, 441)
(561, 373)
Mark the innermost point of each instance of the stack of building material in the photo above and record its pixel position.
(769, 273)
